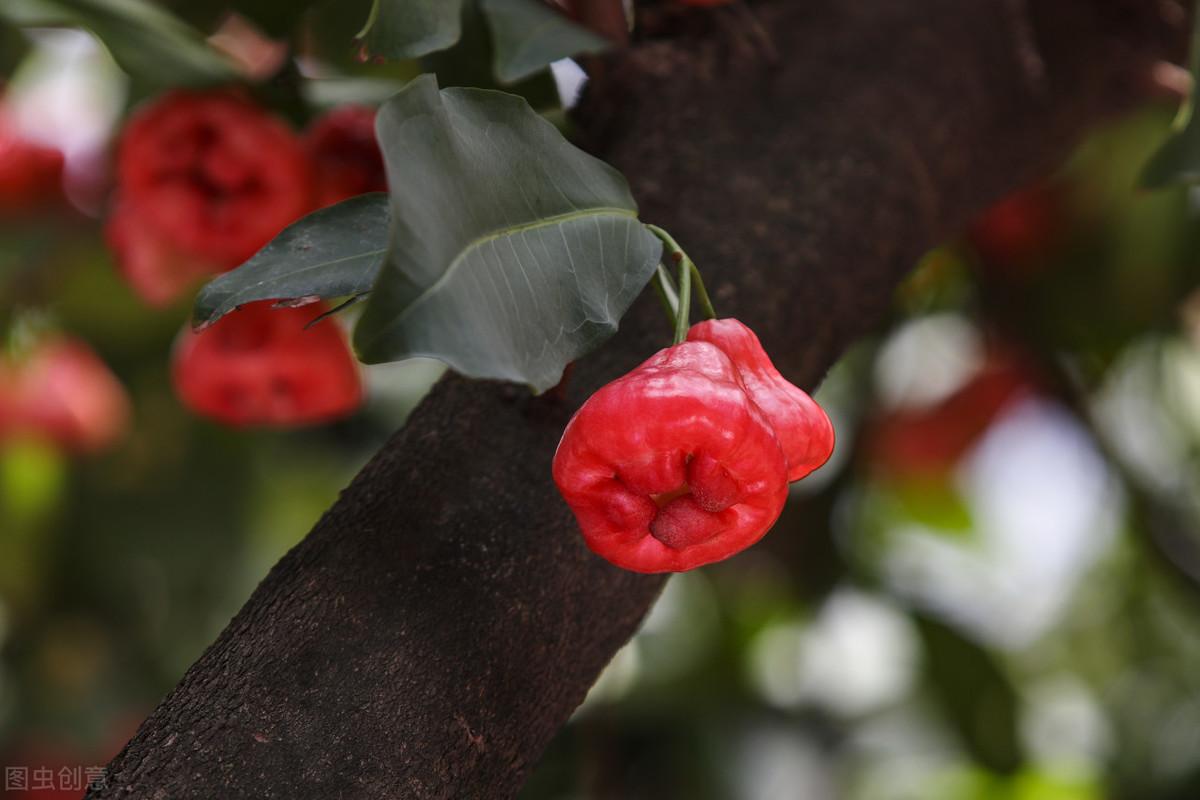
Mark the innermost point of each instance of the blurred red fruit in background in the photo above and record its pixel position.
(345, 156)
(1017, 233)
(157, 269)
(57, 769)
(30, 174)
(203, 181)
(260, 366)
(60, 391)
(931, 440)
(43, 770)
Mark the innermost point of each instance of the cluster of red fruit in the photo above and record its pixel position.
(55, 390)
(204, 180)
(686, 460)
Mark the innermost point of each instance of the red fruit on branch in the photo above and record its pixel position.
(62, 392)
(203, 181)
(345, 156)
(676, 465)
(261, 366)
(803, 427)
(30, 173)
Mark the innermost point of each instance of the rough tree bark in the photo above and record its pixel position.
(443, 619)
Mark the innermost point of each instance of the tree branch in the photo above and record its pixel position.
(444, 619)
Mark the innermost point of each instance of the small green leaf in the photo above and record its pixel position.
(147, 41)
(334, 252)
(975, 694)
(1178, 160)
(471, 62)
(529, 35)
(933, 501)
(13, 47)
(512, 251)
(411, 28)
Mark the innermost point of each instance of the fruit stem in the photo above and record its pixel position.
(667, 294)
(702, 293)
(683, 319)
(689, 275)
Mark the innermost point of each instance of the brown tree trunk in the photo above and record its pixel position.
(443, 619)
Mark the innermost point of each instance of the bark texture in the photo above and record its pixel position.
(443, 620)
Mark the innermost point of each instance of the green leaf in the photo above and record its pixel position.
(411, 28)
(471, 62)
(976, 696)
(276, 18)
(512, 251)
(13, 48)
(1178, 160)
(334, 252)
(529, 35)
(149, 43)
(932, 501)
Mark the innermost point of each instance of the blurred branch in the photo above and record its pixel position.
(443, 620)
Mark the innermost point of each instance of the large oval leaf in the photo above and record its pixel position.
(411, 28)
(529, 35)
(512, 251)
(334, 252)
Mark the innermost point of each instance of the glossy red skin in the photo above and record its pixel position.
(802, 426)
(206, 177)
(345, 156)
(30, 173)
(680, 431)
(63, 393)
(260, 366)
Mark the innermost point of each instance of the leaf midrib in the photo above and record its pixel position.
(480, 241)
(287, 275)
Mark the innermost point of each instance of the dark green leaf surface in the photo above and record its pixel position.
(471, 62)
(412, 28)
(334, 252)
(13, 47)
(975, 694)
(1178, 159)
(512, 251)
(149, 43)
(529, 35)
